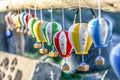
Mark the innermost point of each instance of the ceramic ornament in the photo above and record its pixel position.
(51, 29)
(81, 42)
(37, 29)
(63, 46)
(115, 59)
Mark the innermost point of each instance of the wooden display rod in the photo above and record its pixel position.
(106, 5)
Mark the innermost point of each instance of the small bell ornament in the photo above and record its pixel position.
(100, 30)
(37, 28)
(81, 42)
(63, 46)
(51, 29)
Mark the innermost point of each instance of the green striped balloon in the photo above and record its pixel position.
(50, 29)
(30, 25)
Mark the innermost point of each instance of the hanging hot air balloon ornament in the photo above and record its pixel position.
(8, 32)
(13, 20)
(22, 22)
(80, 40)
(100, 30)
(62, 44)
(51, 29)
(37, 28)
(17, 22)
(31, 23)
(7, 20)
(27, 17)
(10, 19)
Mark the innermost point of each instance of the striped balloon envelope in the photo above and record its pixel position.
(10, 19)
(27, 17)
(80, 38)
(31, 22)
(62, 43)
(17, 21)
(37, 29)
(22, 18)
(100, 31)
(7, 20)
(13, 18)
(44, 31)
(51, 29)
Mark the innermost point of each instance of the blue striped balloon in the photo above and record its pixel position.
(100, 30)
(115, 59)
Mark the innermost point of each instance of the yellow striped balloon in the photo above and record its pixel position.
(17, 21)
(80, 38)
(37, 29)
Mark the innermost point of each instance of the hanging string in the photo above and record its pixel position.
(63, 15)
(82, 58)
(29, 11)
(99, 51)
(51, 14)
(99, 10)
(41, 15)
(35, 13)
(80, 11)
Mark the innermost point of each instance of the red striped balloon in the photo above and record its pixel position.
(62, 43)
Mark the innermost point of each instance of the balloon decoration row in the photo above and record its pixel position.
(80, 36)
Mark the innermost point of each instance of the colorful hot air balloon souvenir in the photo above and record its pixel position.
(11, 21)
(27, 17)
(100, 30)
(22, 22)
(50, 30)
(31, 22)
(7, 20)
(63, 46)
(37, 29)
(115, 60)
(18, 23)
(81, 42)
